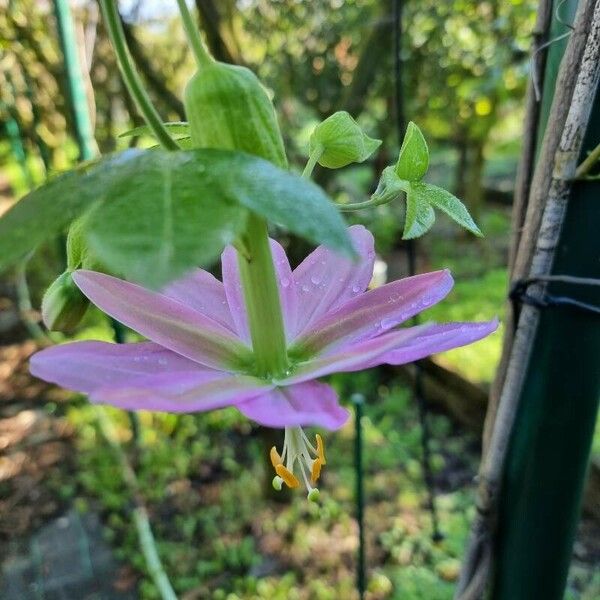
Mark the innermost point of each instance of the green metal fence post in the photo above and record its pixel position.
(358, 401)
(79, 104)
(545, 469)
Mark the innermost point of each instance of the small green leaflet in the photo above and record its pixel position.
(419, 216)
(413, 160)
(448, 203)
(156, 214)
(420, 200)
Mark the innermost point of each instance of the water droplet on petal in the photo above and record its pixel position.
(305, 289)
(355, 288)
(387, 323)
(316, 280)
(285, 282)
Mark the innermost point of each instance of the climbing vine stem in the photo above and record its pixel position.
(131, 77)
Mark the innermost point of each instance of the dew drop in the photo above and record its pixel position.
(316, 280)
(387, 323)
(305, 289)
(355, 288)
(285, 282)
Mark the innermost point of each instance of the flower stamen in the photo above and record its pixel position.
(320, 449)
(298, 458)
(316, 470)
(288, 477)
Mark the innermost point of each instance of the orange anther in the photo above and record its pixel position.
(321, 449)
(287, 476)
(316, 470)
(275, 458)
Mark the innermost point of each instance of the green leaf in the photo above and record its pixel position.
(413, 160)
(46, 211)
(340, 141)
(171, 211)
(155, 214)
(446, 202)
(162, 217)
(419, 214)
(176, 128)
(286, 199)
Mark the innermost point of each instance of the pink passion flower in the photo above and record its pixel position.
(199, 354)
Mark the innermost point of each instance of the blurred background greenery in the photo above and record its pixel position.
(465, 66)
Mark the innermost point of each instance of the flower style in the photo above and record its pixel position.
(199, 354)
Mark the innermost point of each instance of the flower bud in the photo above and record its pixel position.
(339, 141)
(227, 107)
(63, 304)
(413, 159)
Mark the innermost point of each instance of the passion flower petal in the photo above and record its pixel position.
(374, 313)
(203, 292)
(164, 321)
(195, 391)
(86, 366)
(325, 280)
(235, 294)
(309, 403)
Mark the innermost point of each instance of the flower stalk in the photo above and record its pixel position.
(313, 159)
(261, 295)
(201, 54)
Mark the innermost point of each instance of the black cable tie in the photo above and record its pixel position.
(518, 293)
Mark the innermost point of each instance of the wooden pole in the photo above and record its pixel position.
(553, 179)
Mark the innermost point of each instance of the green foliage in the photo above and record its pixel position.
(419, 214)
(413, 160)
(421, 198)
(158, 218)
(47, 210)
(425, 196)
(156, 214)
(339, 141)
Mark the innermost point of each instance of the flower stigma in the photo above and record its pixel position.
(301, 457)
